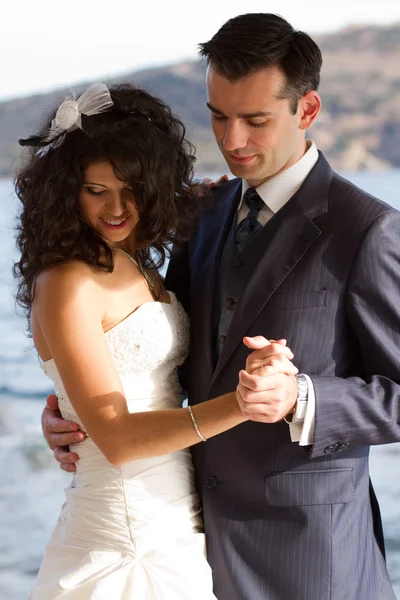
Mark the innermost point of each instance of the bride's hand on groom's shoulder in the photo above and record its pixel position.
(212, 183)
(59, 434)
(204, 185)
(267, 390)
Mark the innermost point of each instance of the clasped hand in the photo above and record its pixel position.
(267, 390)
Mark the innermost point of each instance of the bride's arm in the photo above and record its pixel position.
(70, 315)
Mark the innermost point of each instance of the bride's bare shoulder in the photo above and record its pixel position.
(66, 279)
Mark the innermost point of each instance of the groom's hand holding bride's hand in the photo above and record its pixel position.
(267, 390)
(59, 434)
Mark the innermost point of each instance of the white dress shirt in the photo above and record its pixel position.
(275, 193)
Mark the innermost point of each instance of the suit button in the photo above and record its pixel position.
(222, 339)
(335, 448)
(211, 482)
(229, 302)
(330, 449)
(236, 262)
(342, 447)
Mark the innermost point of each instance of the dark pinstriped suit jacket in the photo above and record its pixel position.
(284, 522)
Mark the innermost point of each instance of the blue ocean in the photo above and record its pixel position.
(32, 486)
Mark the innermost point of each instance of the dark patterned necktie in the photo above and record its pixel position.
(249, 226)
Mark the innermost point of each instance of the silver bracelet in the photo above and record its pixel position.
(196, 427)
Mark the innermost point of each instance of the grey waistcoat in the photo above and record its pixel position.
(234, 271)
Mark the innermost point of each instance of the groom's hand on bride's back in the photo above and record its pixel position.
(59, 434)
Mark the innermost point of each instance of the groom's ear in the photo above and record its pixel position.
(308, 109)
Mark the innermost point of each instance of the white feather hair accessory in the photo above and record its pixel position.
(96, 99)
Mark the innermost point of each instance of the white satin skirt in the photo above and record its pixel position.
(128, 533)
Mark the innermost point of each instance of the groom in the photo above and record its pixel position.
(287, 249)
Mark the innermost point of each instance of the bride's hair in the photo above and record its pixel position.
(146, 145)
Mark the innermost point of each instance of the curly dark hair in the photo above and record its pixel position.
(146, 145)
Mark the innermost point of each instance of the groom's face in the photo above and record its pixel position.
(255, 127)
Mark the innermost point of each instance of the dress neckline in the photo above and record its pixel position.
(141, 306)
(173, 300)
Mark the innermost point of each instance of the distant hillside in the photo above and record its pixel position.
(359, 127)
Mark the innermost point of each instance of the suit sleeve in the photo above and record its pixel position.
(365, 410)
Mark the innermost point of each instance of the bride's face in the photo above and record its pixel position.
(107, 204)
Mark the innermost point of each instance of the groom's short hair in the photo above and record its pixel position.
(251, 42)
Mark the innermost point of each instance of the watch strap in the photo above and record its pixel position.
(297, 416)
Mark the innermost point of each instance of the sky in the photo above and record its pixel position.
(50, 43)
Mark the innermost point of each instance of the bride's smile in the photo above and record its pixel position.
(107, 203)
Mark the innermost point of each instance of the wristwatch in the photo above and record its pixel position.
(297, 416)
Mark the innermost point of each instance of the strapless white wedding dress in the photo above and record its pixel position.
(131, 532)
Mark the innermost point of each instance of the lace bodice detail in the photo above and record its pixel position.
(146, 347)
(154, 339)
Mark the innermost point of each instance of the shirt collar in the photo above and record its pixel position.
(279, 189)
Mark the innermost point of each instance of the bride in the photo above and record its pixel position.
(107, 180)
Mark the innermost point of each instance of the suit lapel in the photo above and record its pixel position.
(294, 237)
